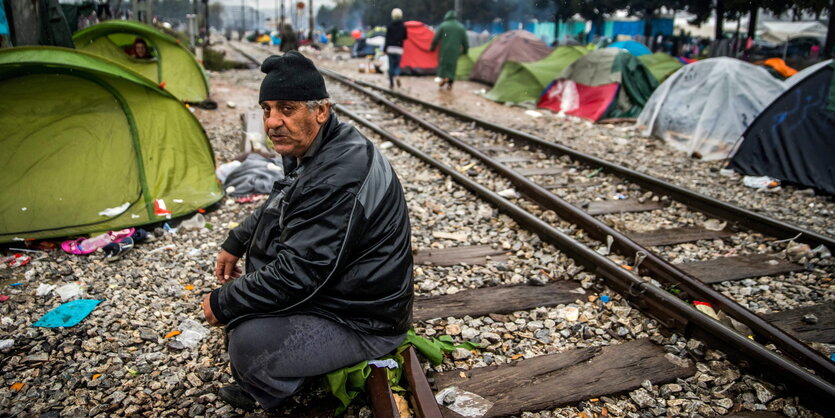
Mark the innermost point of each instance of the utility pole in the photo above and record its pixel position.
(243, 20)
(310, 4)
(281, 22)
(458, 8)
(257, 15)
(720, 18)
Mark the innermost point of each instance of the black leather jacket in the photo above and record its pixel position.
(333, 239)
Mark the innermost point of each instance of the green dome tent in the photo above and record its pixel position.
(171, 64)
(524, 81)
(605, 83)
(467, 61)
(81, 135)
(661, 65)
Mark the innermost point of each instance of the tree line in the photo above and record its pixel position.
(348, 14)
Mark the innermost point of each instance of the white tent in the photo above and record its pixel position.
(704, 107)
(783, 31)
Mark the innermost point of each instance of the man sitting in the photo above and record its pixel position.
(328, 278)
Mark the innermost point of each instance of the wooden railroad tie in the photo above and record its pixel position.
(470, 254)
(673, 236)
(620, 206)
(554, 380)
(496, 300)
(736, 268)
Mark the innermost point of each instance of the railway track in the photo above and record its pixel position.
(540, 171)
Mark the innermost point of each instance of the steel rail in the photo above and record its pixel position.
(659, 268)
(705, 204)
(669, 310)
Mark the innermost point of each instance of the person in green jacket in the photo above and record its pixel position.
(453, 39)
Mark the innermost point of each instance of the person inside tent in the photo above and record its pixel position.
(139, 49)
(395, 36)
(328, 277)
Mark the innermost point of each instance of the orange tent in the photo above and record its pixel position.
(780, 66)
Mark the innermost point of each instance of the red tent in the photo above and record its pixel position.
(588, 102)
(417, 60)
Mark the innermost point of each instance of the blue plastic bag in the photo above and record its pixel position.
(68, 314)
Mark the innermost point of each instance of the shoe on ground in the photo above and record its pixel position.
(235, 395)
(397, 80)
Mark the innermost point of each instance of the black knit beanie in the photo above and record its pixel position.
(291, 77)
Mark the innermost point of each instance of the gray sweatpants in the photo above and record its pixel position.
(271, 356)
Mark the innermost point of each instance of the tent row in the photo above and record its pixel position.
(92, 143)
(718, 108)
(724, 108)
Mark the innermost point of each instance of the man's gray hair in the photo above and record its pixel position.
(396, 14)
(313, 104)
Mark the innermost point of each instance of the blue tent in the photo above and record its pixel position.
(635, 48)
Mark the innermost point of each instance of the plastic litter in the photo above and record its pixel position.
(160, 209)
(231, 105)
(706, 309)
(161, 249)
(224, 169)
(822, 251)
(466, 404)
(169, 229)
(44, 289)
(6, 344)
(194, 252)
(387, 363)
(118, 210)
(3, 298)
(727, 172)
(604, 299)
(68, 314)
(571, 313)
(509, 193)
(198, 221)
(70, 291)
(16, 260)
(191, 333)
(714, 225)
(619, 196)
(386, 145)
(533, 113)
(762, 182)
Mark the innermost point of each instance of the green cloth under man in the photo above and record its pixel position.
(453, 39)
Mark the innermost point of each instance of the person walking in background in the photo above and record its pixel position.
(453, 39)
(288, 39)
(393, 48)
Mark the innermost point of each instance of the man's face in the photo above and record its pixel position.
(291, 126)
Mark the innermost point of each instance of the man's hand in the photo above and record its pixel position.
(226, 268)
(207, 312)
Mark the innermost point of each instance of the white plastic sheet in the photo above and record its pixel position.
(705, 107)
